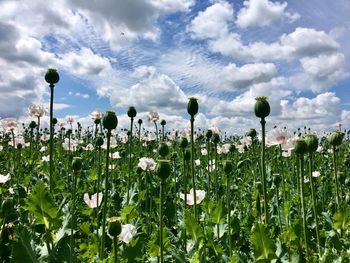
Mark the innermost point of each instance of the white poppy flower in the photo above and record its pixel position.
(147, 164)
(92, 203)
(200, 195)
(128, 233)
(4, 178)
(316, 174)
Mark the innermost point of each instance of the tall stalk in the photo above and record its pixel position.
(105, 197)
(301, 179)
(51, 77)
(163, 172)
(262, 110)
(76, 165)
(263, 169)
(192, 171)
(314, 203)
(51, 137)
(335, 168)
(110, 122)
(335, 139)
(130, 160)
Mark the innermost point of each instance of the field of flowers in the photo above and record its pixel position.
(168, 196)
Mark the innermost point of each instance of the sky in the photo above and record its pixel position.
(155, 54)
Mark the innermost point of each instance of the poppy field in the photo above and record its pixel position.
(136, 195)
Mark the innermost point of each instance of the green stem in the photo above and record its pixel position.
(130, 163)
(192, 171)
(98, 191)
(314, 204)
(229, 214)
(115, 245)
(51, 137)
(72, 241)
(335, 166)
(103, 253)
(263, 172)
(209, 168)
(216, 173)
(161, 219)
(301, 179)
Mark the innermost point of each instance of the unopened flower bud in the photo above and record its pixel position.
(139, 121)
(311, 142)
(300, 147)
(216, 138)
(32, 124)
(183, 143)
(262, 107)
(209, 134)
(192, 106)
(163, 149)
(163, 169)
(114, 227)
(132, 112)
(251, 133)
(110, 120)
(228, 167)
(52, 76)
(336, 138)
(77, 163)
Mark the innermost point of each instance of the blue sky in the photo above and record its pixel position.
(154, 54)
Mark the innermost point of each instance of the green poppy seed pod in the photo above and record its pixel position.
(187, 155)
(52, 76)
(183, 143)
(228, 167)
(132, 112)
(163, 169)
(192, 106)
(311, 142)
(77, 163)
(19, 146)
(209, 134)
(336, 138)
(114, 227)
(251, 133)
(54, 121)
(99, 141)
(32, 125)
(139, 121)
(163, 122)
(216, 138)
(163, 149)
(262, 107)
(110, 120)
(97, 121)
(300, 147)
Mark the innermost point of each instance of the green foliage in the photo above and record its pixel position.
(264, 247)
(43, 207)
(22, 250)
(342, 219)
(193, 228)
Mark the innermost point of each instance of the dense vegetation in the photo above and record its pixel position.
(104, 196)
